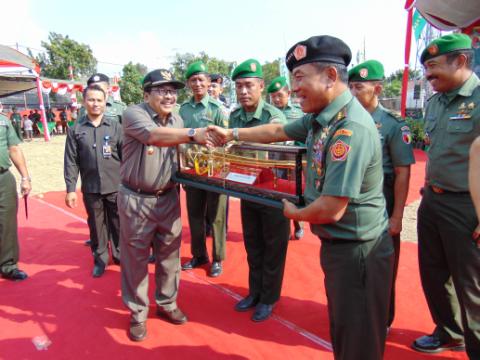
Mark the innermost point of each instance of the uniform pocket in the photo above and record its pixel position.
(460, 126)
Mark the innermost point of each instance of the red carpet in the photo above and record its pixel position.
(84, 318)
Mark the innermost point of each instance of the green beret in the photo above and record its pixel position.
(324, 48)
(198, 67)
(446, 44)
(370, 70)
(277, 84)
(248, 68)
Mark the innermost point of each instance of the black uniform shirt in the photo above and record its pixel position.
(95, 152)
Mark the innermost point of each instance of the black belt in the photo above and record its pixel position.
(439, 190)
(157, 193)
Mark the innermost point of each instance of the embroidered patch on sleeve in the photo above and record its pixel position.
(406, 137)
(339, 151)
(344, 132)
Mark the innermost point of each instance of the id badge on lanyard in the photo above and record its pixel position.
(106, 148)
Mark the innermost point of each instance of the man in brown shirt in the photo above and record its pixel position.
(148, 201)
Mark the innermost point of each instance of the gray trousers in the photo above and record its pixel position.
(147, 221)
(450, 266)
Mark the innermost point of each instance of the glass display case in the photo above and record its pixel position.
(261, 173)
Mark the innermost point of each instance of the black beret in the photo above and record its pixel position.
(218, 78)
(95, 78)
(322, 48)
(161, 77)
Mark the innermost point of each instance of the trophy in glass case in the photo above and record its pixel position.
(260, 173)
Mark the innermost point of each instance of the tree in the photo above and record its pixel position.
(393, 83)
(214, 66)
(63, 52)
(271, 70)
(131, 83)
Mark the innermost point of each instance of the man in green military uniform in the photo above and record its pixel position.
(345, 203)
(449, 258)
(365, 81)
(280, 97)
(114, 108)
(16, 119)
(10, 152)
(200, 111)
(265, 229)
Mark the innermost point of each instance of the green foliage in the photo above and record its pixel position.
(131, 83)
(271, 70)
(393, 84)
(417, 129)
(61, 52)
(214, 65)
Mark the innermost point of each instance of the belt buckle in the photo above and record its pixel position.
(159, 193)
(437, 190)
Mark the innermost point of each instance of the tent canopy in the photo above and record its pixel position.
(13, 84)
(449, 14)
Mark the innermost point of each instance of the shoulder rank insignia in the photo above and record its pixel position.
(343, 132)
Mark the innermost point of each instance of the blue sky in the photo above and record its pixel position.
(151, 32)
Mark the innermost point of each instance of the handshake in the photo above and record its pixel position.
(213, 136)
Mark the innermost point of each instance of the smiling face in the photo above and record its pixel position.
(312, 87)
(443, 75)
(94, 102)
(249, 92)
(161, 99)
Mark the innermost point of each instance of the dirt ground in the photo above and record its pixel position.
(45, 164)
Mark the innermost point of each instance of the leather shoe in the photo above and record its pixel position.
(88, 242)
(433, 344)
(216, 269)
(195, 262)
(116, 261)
(246, 303)
(262, 312)
(151, 259)
(15, 275)
(175, 316)
(137, 331)
(98, 270)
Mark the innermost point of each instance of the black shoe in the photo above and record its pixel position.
(433, 344)
(137, 331)
(216, 269)
(88, 242)
(116, 261)
(262, 312)
(246, 303)
(175, 316)
(195, 262)
(98, 270)
(151, 259)
(15, 275)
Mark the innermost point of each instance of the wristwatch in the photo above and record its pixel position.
(191, 134)
(235, 134)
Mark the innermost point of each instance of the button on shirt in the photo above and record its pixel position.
(84, 153)
(344, 159)
(145, 167)
(452, 122)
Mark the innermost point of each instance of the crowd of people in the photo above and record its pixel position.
(359, 156)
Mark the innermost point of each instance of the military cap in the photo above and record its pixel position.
(161, 77)
(277, 84)
(217, 78)
(370, 70)
(95, 78)
(198, 67)
(446, 44)
(248, 68)
(322, 48)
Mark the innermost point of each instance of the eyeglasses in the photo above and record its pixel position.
(165, 92)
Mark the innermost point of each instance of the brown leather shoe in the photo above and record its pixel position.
(175, 316)
(137, 331)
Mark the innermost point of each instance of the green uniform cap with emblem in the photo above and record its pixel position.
(247, 69)
(446, 44)
(198, 67)
(277, 84)
(370, 70)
